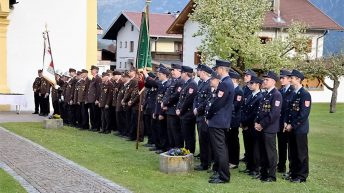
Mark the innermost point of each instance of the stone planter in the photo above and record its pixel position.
(52, 123)
(176, 164)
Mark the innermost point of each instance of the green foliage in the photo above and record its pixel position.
(230, 30)
(331, 67)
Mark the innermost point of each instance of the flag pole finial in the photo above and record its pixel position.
(148, 1)
(46, 27)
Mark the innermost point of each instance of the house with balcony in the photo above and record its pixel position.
(276, 21)
(124, 31)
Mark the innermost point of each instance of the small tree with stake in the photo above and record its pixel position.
(331, 67)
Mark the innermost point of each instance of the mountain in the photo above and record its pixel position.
(334, 40)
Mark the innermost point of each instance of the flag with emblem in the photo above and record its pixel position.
(48, 64)
(144, 57)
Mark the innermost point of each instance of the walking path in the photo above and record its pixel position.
(40, 170)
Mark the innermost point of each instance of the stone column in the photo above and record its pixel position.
(91, 34)
(4, 11)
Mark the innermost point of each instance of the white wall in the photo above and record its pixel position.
(123, 53)
(325, 95)
(314, 35)
(67, 29)
(190, 43)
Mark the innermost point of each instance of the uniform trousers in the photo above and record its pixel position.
(218, 143)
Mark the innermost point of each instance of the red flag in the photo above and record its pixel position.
(48, 63)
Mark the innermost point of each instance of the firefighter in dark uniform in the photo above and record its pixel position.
(131, 87)
(68, 97)
(170, 101)
(117, 84)
(287, 91)
(105, 102)
(232, 134)
(92, 99)
(203, 93)
(247, 92)
(148, 107)
(159, 114)
(184, 108)
(120, 113)
(267, 122)
(75, 106)
(65, 78)
(35, 87)
(218, 118)
(297, 124)
(44, 92)
(55, 93)
(155, 83)
(249, 112)
(80, 97)
(133, 104)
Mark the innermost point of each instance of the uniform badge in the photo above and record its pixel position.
(191, 90)
(277, 103)
(239, 98)
(220, 94)
(179, 89)
(307, 103)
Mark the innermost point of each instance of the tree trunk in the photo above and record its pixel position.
(334, 96)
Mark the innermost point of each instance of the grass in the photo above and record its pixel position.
(117, 159)
(8, 184)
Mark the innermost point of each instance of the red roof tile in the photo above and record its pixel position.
(158, 23)
(301, 10)
(291, 10)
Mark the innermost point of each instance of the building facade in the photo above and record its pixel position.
(165, 48)
(318, 24)
(73, 38)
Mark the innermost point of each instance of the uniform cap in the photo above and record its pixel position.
(298, 74)
(271, 75)
(205, 68)
(255, 79)
(284, 73)
(250, 72)
(234, 75)
(187, 69)
(223, 63)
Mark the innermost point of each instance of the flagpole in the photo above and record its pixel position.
(139, 119)
(51, 52)
(137, 59)
(147, 26)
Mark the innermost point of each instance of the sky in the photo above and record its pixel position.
(108, 10)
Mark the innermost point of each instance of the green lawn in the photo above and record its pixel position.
(8, 184)
(117, 159)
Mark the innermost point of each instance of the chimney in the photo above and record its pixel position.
(276, 9)
(276, 6)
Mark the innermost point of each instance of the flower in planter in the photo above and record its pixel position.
(55, 116)
(178, 152)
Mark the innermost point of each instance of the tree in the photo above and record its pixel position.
(230, 30)
(332, 68)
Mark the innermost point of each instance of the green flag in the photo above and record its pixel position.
(144, 57)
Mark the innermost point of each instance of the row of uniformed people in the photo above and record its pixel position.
(283, 112)
(173, 103)
(95, 103)
(258, 113)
